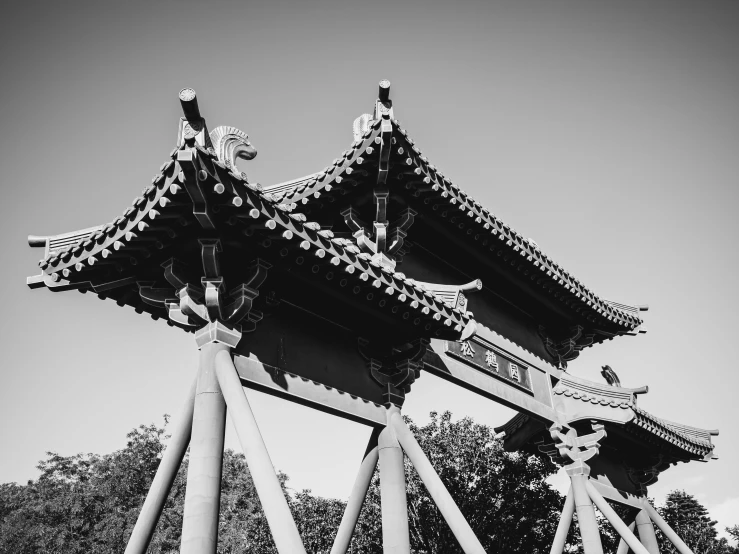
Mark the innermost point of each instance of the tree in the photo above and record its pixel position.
(90, 503)
(503, 495)
(690, 520)
(81, 503)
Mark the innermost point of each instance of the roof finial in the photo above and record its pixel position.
(192, 128)
(189, 102)
(383, 104)
(384, 94)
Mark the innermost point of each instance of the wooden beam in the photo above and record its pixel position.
(490, 387)
(283, 384)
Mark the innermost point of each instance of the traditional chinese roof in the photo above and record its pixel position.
(105, 258)
(580, 400)
(306, 218)
(461, 212)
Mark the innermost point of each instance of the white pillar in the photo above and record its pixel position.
(617, 523)
(276, 510)
(203, 494)
(589, 532)
(623, 548)
(646, 532)
(395, 532)
(565, 520)
(443, 500)
(163, 479)
(356, 499)
(666, 529)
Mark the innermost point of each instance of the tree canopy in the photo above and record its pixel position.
(690, 520)
(89, 503)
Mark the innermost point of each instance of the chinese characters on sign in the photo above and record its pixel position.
(467, 349)
(491, 360)
(513, 368)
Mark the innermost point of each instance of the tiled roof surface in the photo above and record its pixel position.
(427, 179)
(693, 440)
(255, 202)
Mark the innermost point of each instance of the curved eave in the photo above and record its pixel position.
(77, 265)
(693, 442)
(483, 227)
(521, 431)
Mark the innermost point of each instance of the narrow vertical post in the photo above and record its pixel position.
(646, 532)
(565, 520)
(589, 532)
(621, 528)
(275, 507)
(356, 499)
(163, 479)
(203, 494)
(395, 531)
(443, 500)
(666, 529)
(623, 547)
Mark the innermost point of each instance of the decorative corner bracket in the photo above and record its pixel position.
(194, 306)
(571, 451)
(394, 368)
(216, 331)
(566, 350)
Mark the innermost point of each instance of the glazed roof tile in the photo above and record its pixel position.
(430, 179)
(254, 201)
(691, 439)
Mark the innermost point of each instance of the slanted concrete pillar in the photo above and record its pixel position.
(203, 494)
(666, 529)
(165, 476)
(395, 532)
(443, 500)
(623, 547)
(356, 499)
(280, 519)
(610, 514)
(645, 529)
(565, 520)
(589, 532)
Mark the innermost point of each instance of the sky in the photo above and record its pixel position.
(607, 132)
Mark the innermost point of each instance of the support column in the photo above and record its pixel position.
(439, 493)
(203, 494)
(275, 507)
(395, 531)
(589, 532)
(666, 529)
(621, 528)
(356, 499)
(623, 548)
(565, 520)
(646, 532)
(165, 476)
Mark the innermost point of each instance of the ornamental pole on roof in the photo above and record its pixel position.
(387, 238)
(192, 129)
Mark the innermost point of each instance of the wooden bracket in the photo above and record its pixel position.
(566, 350)
(394, 368)
(570, 450)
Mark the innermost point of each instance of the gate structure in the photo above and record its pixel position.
(335, 291)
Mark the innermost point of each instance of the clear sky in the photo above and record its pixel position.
(608, 132)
